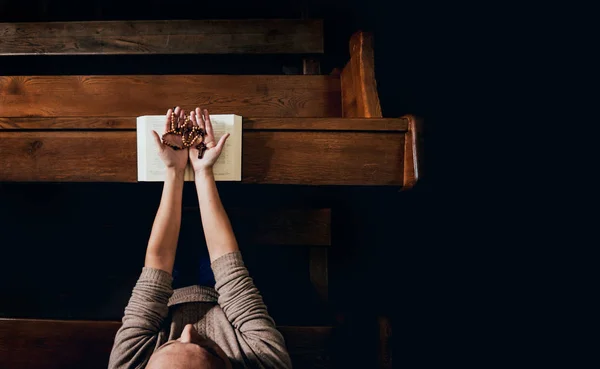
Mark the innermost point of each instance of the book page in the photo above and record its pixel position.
(227, 168)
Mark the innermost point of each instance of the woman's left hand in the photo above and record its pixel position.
(174, 159)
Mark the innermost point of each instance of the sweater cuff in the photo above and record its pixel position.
(156, 275)
(226, 263)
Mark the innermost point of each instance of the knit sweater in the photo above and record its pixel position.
(233, 315)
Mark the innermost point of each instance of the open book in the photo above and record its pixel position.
(227, 168)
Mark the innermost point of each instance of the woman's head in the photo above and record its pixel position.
(189, 351)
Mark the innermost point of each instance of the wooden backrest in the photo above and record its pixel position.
(62, 344)
(134, 95)
(262, 36)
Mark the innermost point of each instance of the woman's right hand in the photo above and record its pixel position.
(201, 119)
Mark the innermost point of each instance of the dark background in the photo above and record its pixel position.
(66, 246)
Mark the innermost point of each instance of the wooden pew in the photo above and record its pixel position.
(64, 344)
(311, 129)
(81, 128)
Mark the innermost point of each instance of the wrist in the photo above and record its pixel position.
(174, 174)
(204, 173)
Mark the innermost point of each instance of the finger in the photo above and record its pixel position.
(200, 119)
(176, 111)
(181, 121)
(194, 118)
(209, 128)
(222, 142)
(168, 120)
(157, 140)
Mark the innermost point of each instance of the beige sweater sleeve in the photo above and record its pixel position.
(263, 345)
(137, 338)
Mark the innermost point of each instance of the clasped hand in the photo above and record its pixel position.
(177, 159)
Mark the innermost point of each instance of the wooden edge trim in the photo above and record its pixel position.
(359, 86)
(361, 44)
(412, 170)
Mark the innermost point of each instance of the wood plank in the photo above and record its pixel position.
(359, 87)
(135, 95)
(349, 96)
(276, 157)
(309, 347)
(303, 227)
(305, 124)
(318, 271)
(311, 66)
(273, 36)
(54, 344)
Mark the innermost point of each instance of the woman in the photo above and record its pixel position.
(197, 326)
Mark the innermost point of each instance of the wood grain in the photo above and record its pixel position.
(61, 344)
(68, 156)
(359, 87)
(273, 36)
(276, 157)
(412, 152)
(304, 227)
(123, 96)
(323, 158)
(128, 123)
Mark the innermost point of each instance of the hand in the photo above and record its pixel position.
(213, 149)
(174, 159)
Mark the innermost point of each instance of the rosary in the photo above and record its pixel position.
(190, 135)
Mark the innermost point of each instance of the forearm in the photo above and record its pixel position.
(162, 245)
(220, 239)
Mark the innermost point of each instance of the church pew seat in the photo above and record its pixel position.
(315, 151)
(72, 344)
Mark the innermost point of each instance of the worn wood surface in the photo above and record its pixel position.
(279, 124)
(277, 157)
(61, 344)
(412, 152)
(304, 227)
(122, 96)
(318, 271)
(359, 87)
(273, 36)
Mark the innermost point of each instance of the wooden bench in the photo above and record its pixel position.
(298, 129)
(63, 344)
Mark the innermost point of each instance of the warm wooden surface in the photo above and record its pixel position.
(412, 152)
(304, 227)
(275, 36)
(68, 156)
(277, 157)
(61, 344)
(323, 158)
(359, 87)
(114, 123)
(134, 95)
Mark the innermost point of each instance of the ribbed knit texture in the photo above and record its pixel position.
(234, 316)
